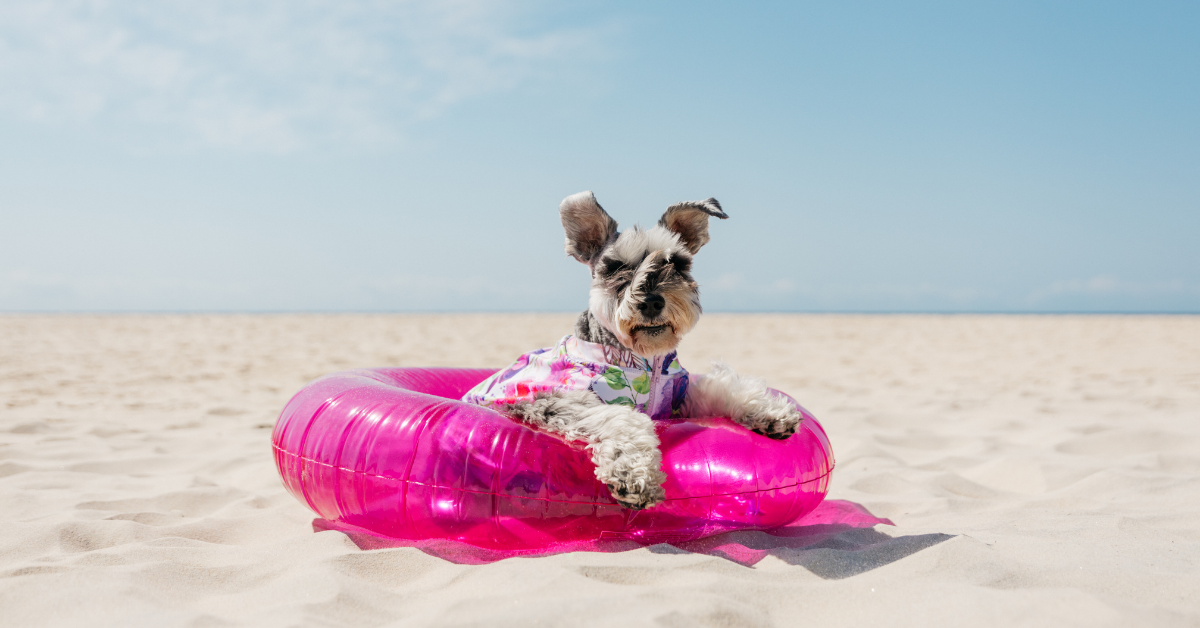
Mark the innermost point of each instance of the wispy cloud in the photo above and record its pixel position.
(730, 290)
(1111, 289)
(274, 75)
(737, 283)
(1109, 286)
(26, 290)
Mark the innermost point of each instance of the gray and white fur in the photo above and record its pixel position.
(643, 299)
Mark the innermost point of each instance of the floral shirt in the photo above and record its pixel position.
(616, 376)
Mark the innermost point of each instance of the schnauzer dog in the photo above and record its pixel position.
(607, 383)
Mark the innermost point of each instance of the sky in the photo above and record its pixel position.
(410, 156)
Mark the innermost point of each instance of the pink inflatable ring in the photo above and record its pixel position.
(394, 451)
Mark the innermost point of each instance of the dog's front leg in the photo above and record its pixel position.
(623, 442)
(722, 392)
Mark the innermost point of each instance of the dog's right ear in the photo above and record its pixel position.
(589, 228)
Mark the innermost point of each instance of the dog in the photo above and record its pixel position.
(607, 383)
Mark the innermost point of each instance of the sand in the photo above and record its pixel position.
(1040, 471)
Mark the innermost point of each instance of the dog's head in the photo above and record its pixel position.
(642, 287)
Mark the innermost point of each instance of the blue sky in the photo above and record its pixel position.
(266, 156)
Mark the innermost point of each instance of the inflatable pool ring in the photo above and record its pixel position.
(394, 451)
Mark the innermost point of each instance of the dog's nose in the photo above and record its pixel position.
(652, 306)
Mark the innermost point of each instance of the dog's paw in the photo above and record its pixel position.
(637, 486)
(637, 498)
(778, 424)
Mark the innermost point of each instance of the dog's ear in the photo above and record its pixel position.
(589, 228)
(689, 220)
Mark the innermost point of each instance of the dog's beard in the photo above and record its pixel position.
(647, 337)
(651, 341)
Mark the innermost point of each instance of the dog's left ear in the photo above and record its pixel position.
(689, 220)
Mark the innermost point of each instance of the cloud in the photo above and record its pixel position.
(736, 282)
(271, 75)
(23, 290)
(1105, 285)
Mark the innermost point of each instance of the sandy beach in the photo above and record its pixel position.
(1040, 470)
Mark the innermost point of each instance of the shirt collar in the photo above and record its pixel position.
(605, 354)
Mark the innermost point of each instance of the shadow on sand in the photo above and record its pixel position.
(837, 540)
(832, 552)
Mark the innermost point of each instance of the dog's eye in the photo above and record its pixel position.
(613, 266)
(617, 274)
(683, 265)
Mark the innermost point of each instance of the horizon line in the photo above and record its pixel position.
(573, 312)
